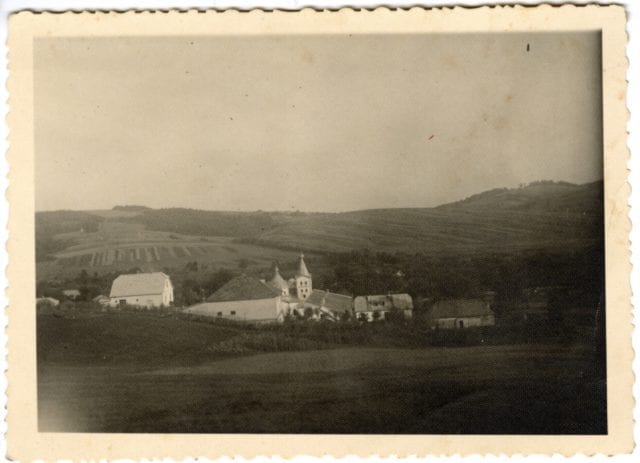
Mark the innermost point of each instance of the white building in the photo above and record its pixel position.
(244, 299)
(142, 290)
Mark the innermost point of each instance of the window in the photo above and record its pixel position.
(233, 312)
(219, 314)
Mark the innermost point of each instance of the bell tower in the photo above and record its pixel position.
(303, 280)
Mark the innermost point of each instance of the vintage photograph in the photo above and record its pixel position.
(342, 233)
(336, 234)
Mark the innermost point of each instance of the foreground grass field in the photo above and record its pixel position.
(139, 373)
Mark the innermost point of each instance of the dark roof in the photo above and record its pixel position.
(460, 308)
(302, 268)
(244, 288)
(277, 281)
(316, 297)
(331, 301)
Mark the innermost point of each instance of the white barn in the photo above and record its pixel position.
(142, 290)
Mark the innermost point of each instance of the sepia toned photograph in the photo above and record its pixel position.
(321, 234)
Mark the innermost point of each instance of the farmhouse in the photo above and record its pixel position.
(244, 299)
(330, 306)
(142, 290)
(380, 307)
(460, 314)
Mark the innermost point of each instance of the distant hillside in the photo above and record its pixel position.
(50, 224)
(131, 208)
(211, 223)
(553, 216)
(544, 196)
(543, 215)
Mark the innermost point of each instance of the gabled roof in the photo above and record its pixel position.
(139, 284)
(460, 308)
(302, 268)
(244, 288)
(400, 301)
(277, 281)
(331, 301)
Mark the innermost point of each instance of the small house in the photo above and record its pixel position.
(142, 290)
(102, 300)
(460, 314)
(47, 301)
(535, 305)
(244, 299)
(382, 307)
(71, 294)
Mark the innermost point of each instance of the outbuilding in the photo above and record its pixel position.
(381, 307)
(47, 301)
(330, 306)
(102, 300)
(460, 314)
(71, 294)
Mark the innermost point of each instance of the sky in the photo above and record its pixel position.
(311, 123)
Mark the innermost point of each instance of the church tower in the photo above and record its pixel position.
(303, 280)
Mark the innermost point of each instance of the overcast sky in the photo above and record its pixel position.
(311, 123)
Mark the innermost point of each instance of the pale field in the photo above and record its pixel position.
(120, 246)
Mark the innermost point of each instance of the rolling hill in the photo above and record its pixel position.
(554, 216)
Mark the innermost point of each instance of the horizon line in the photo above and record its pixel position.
(298, 211)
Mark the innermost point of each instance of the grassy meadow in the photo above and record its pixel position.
(164, 372)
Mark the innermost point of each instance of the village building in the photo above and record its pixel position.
(460, 314)
(71, 294)
(244, 299)
(142, 290)
(102, 300)
(381, 307)
(535, 305)
(47, 301)
(330, 306)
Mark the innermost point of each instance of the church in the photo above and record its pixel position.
(250, 299)
(301, 300)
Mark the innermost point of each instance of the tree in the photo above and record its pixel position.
(308, 313)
